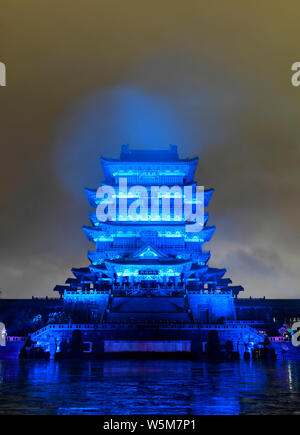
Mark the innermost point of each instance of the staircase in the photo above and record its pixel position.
(291, 353)
(154, 308)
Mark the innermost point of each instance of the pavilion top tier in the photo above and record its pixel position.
(146, 167)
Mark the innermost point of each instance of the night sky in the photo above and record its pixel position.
(84, 77)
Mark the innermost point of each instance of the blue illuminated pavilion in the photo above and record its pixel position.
(141, 269)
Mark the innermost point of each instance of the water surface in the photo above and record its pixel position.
(149, 387)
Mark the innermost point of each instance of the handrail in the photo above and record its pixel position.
(244, 322)
(15, 338)
(277, 339)
(129, 325)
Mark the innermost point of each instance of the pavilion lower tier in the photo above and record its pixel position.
(189, 307)
(110, 338)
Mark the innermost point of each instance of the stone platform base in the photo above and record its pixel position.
(92, 340)
(158, 346)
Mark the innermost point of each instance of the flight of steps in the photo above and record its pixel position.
(11, 350)
(293, 352)
(143, 308)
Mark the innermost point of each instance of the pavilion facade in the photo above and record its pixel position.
(149, 268)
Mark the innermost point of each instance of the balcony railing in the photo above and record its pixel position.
(142, 324)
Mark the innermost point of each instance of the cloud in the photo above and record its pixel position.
(200, 78)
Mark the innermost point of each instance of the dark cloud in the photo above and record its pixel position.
(85, 77)
(258, 261)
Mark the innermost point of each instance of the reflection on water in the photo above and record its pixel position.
(149, 387)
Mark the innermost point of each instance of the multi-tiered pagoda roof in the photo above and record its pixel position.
(148, 255)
